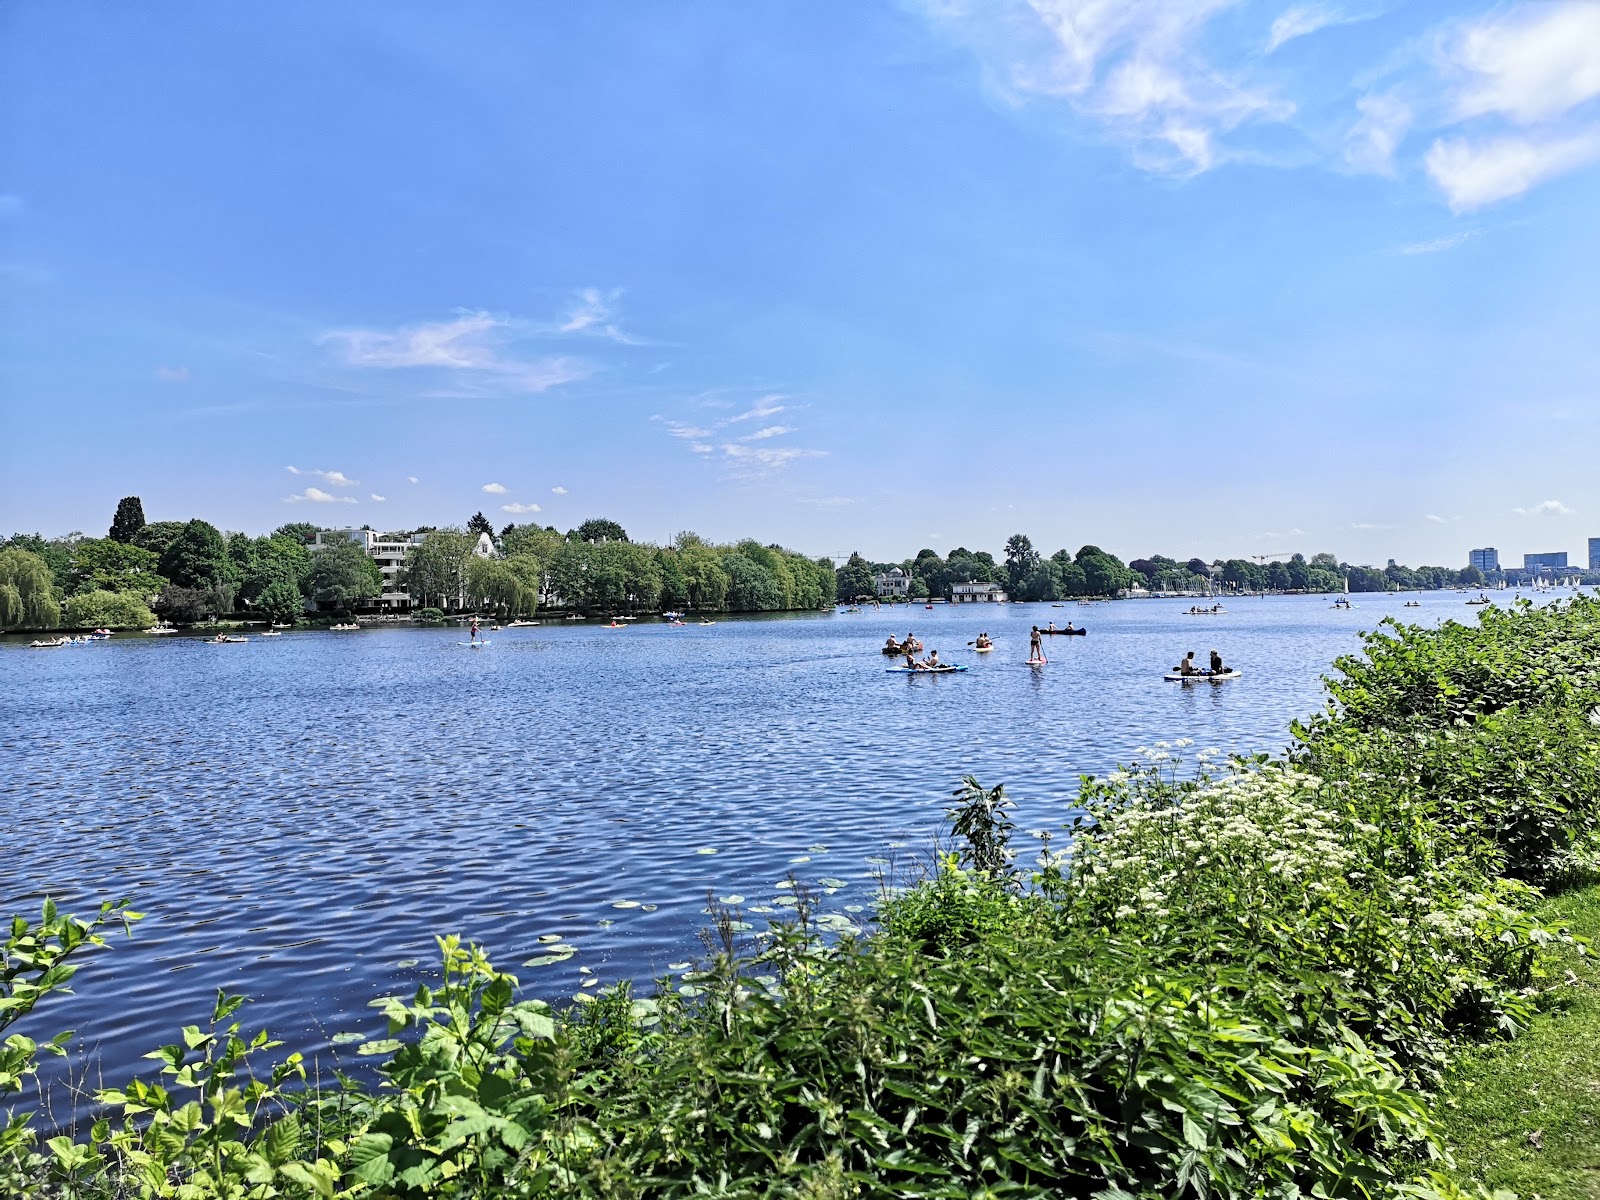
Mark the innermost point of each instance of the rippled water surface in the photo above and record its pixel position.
(298, 816)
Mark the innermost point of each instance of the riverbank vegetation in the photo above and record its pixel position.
(1226, 978)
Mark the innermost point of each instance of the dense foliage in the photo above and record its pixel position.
(1238, 979)
(128, 519)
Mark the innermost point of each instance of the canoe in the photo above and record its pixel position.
(943, 670)
(1206, 677)
(1065, 632)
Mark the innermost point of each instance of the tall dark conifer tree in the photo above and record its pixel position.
(128, 520)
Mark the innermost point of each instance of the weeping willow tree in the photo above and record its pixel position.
(27, 591)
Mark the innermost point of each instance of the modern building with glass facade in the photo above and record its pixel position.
(1486, 560)
(1551, 560)
(1594, 554)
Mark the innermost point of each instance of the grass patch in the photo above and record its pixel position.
(1525, 1115)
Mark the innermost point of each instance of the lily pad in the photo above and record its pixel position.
(648, 907)
(559, 954)
(683, 966)
(583, 998)
(733, 899)
(548, 938)
(759, 908)
(589, 982)
(624, 904)
(344, 1039)
(801, 858)
(818, 849)
(833, 883)
(853, 908)
(787, 883)
(385, 1046)
(406, 963)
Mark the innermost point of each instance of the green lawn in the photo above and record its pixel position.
(1525, 1115)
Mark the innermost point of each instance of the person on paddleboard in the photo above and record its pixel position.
(1036, 646)
(474, 634)
(1187, 666)
(1216, 663)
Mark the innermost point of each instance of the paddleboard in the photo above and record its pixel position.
(922, 670)
(982, 649)
(474, 645)
(1037, 662)
(1174, 677)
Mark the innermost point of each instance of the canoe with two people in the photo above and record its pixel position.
(1070, 631)
(1188, 669)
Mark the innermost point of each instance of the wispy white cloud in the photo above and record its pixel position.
(378, 498)
(496, 489)
(594, 314)
(742, 459)
(767, 406)
(318, 496)
(1371, 144)
(1474, 173)
(1531, 64)
(1448, 242)
(331, 478)
(766, 457)
(559, 490)
(1548, 508)
(412, 479)
(1371, 525)
(1435, 518)
(173, 374)
(1304, 19)
(1139, 72)
(473, 349)
(520, 508)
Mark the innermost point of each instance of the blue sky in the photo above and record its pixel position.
(1181, 276)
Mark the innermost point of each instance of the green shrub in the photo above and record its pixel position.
(110, 610)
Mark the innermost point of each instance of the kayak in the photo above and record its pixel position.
(1064, 632)
(1208, 677)
(922, 670)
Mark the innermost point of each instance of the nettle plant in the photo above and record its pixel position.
(36, 960)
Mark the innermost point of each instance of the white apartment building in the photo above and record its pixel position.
(390, 557)
(892, 584)
(977, 593)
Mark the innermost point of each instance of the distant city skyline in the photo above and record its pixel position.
(1232, 280)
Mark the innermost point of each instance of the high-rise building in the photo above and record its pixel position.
(1594, 554)
(1486, 560)
(1551, 560)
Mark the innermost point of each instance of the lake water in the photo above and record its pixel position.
(299, 816)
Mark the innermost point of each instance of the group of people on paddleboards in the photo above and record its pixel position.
(1189, 667)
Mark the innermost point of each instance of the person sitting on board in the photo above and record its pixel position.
(911, 662)
(1216, 664)
(933, 663)
(1187, 666)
